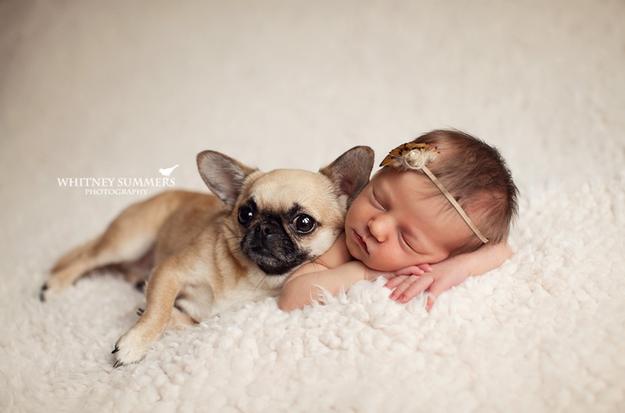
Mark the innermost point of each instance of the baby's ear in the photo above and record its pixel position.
(350, 172)
(223, 175)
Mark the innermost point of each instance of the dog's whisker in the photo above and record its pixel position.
(259, 283)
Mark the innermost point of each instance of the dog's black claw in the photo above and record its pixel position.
(42, 296)
(115, 350)
(140, 311)
(117, 364)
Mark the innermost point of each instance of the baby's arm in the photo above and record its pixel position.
(304, 288)
(291, 297)
(335, 256)
(334, 271)
(448, 273)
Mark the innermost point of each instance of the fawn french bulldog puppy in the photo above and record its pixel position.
(206, 252)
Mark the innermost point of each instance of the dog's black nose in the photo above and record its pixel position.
(266, 229)
(267, 233)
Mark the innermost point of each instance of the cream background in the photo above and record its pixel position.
(118, 88)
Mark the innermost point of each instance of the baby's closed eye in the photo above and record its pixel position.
(403, 238)
(376, 200)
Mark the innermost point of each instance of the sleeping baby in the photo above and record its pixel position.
(438, 211)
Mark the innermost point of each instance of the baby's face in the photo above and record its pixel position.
(395, 222)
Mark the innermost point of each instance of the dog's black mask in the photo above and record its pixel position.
(268, 244)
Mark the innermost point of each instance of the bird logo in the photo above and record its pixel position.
(167, 171)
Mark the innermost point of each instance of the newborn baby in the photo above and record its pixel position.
(438, 212)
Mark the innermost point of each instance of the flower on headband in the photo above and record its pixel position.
(411, 155)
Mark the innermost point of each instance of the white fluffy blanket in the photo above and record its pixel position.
(122, 89)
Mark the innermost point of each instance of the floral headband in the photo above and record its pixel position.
(416, 156)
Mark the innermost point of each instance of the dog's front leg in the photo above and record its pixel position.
(163, 288)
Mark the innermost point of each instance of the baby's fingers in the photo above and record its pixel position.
(441, 285)
(425, 267)
(412, 270)
(416, 288)
(406, 283)
(395, 281)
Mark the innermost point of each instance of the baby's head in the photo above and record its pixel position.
(402, 218)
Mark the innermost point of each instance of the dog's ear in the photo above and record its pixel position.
(350, 171)
(223, 175)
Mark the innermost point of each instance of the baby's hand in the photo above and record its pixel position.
(435, 279)
(409, 282)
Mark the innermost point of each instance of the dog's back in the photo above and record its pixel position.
(195, 212)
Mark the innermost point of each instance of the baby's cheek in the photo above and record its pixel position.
(385, 260)
(350, 249)
(356, 209)
(370, 260)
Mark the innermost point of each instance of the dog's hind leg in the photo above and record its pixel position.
(128, 238)
(72, 255)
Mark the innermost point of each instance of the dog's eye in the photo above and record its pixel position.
(304, 223)
(246, 214)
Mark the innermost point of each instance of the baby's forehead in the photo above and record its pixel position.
(406, 181)
(413, 193)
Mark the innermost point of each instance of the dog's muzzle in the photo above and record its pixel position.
(271, 248)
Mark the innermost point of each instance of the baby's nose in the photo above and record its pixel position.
(378, 227)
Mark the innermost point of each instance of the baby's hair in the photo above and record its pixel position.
(477, 177)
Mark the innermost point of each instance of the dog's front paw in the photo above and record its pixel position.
(130, 348)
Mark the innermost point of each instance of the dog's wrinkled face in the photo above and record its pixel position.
(287, 217)
(280, 219)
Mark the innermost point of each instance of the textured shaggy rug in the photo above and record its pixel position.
(109, 89)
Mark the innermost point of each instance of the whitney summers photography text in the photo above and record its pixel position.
(116, 185)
